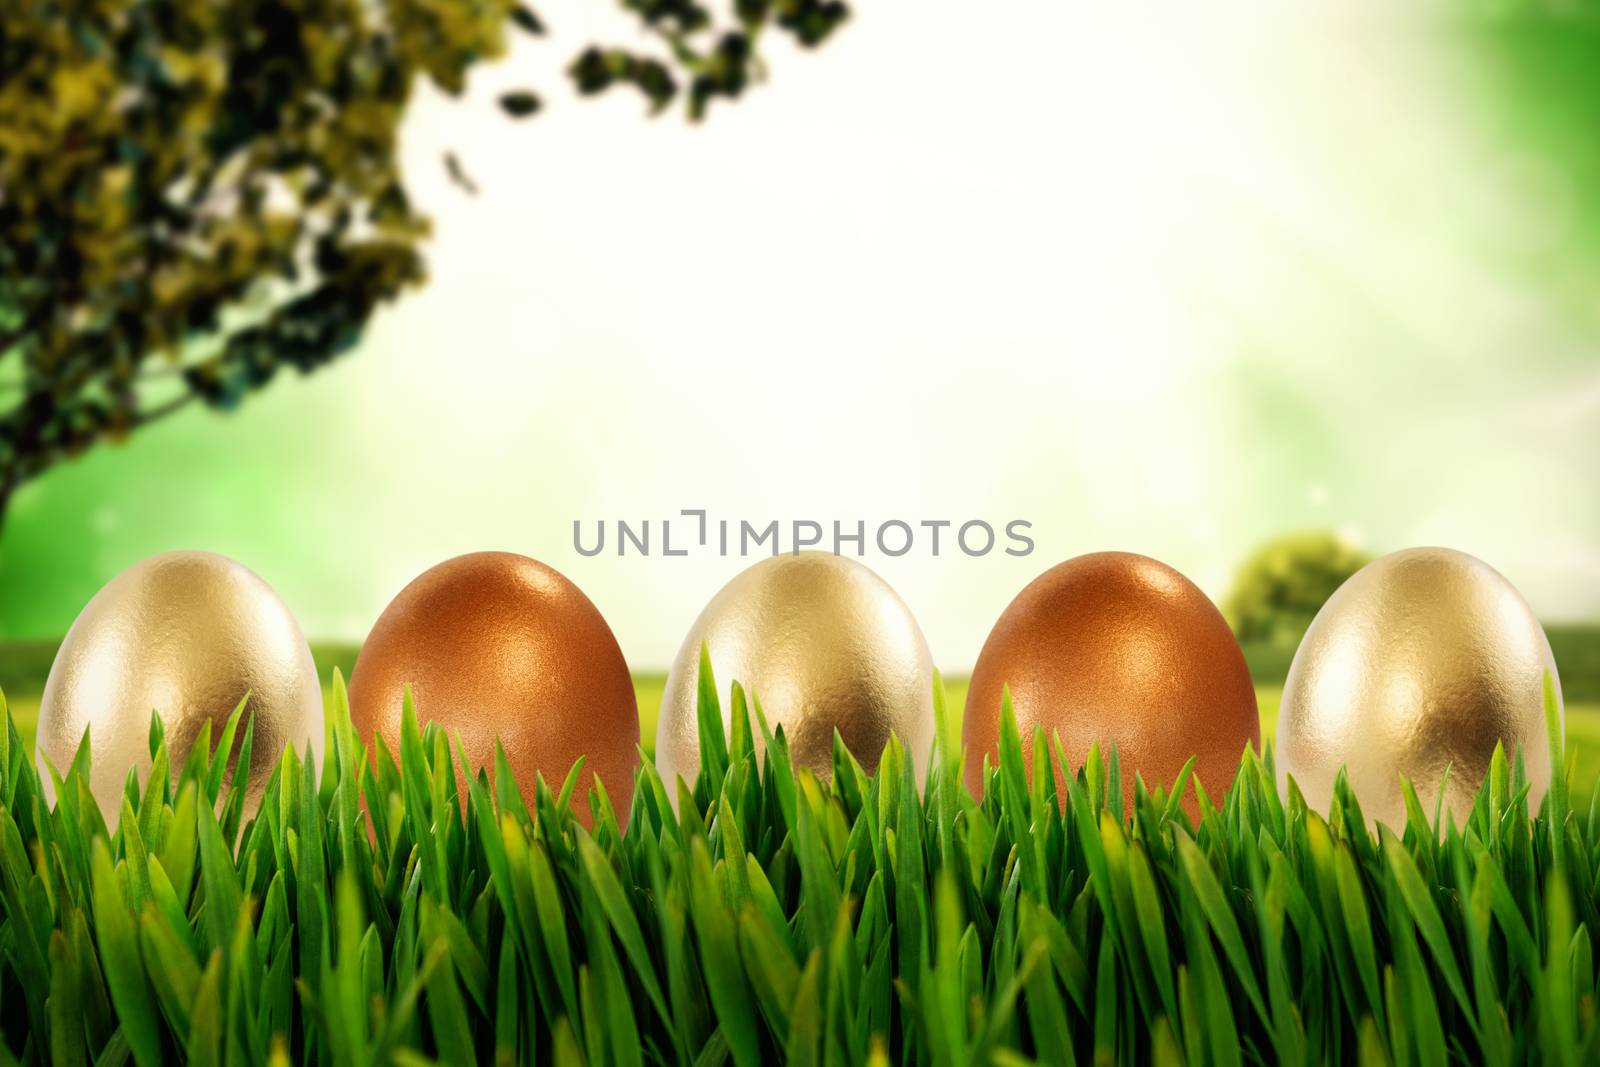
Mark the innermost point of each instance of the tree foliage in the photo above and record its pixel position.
(195, 194)
(1282, 585)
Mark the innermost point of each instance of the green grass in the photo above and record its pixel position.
(770, 916)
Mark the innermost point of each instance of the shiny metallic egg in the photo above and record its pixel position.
(497, 646)
(1118, 648)
(1424, 659)
(824, 644)
(186, 635)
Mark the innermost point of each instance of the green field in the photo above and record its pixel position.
(769, 917)
(24, 667)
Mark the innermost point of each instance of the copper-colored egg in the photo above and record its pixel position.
(500, 646)
(186, 635)
(824, 644)
(1424, 659)
(1118, 648)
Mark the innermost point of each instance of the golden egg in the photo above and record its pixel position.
(1117, 648)
(186, 635)
(497, 646)
(1424, 659)
(824, 644)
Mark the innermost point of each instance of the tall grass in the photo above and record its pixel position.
(768, 916)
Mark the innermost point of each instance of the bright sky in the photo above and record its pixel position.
(1172, 284)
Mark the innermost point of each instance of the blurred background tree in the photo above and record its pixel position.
(1280, 587)
(197, 193)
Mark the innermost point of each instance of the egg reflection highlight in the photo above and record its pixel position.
(497, 647)
(186, 635)
(1425, 659)
(1116, 648)
(824, 644)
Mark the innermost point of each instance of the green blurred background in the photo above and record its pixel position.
(1170, 289)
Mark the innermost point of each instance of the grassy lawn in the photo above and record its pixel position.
(434, 938)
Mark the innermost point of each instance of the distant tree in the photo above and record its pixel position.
(1282, 585)
(197, 193)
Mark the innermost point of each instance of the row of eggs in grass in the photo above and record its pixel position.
(1418, 666)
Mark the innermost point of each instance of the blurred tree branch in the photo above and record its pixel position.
(1280, 587)
(223, 176)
